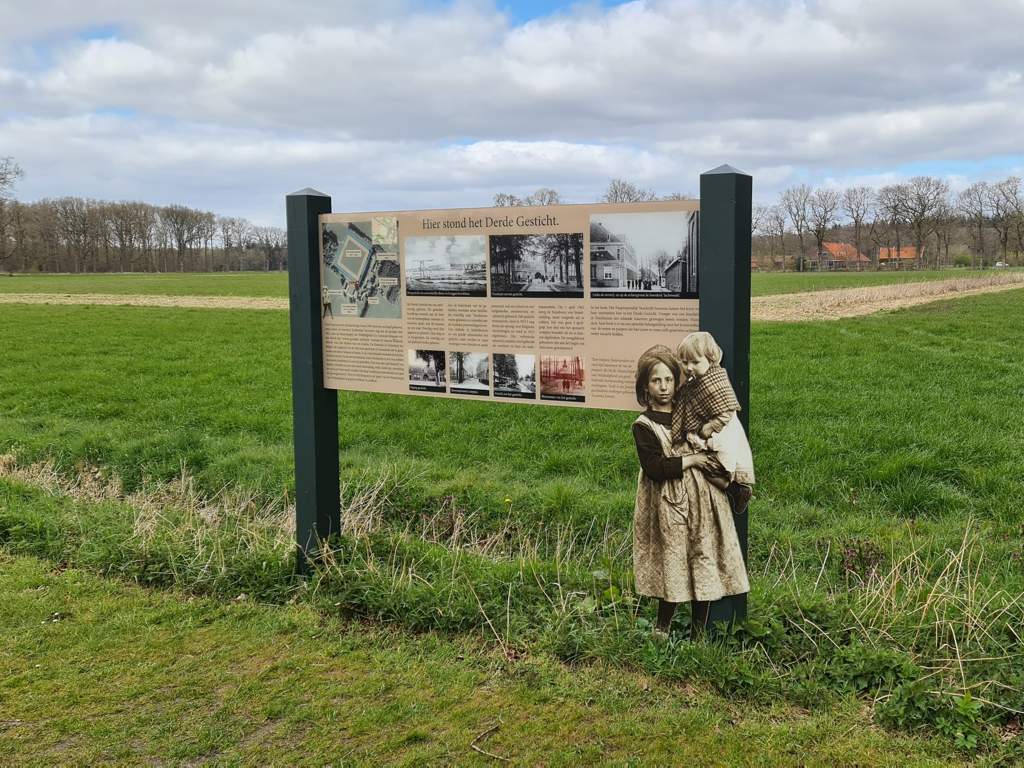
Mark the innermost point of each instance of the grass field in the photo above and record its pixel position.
(773, 283)
(276, 283)
(142, 283)
(100, 672)
(886, 537)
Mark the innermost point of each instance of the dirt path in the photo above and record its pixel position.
(788, 307)
(113, 299)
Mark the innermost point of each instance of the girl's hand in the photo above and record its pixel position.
(706, 462)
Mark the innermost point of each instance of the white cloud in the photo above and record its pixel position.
(445, 104)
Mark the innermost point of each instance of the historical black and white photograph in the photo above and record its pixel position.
(469, 373)
(562, 378)
(515, 376)
(426, 370)
(361, 273)
(644, 255)
(537, 266)
(446, 265)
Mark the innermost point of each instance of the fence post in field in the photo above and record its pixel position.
(723, 280)
(314, 409)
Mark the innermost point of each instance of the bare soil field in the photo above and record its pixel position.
(788, 307)
(853, 302)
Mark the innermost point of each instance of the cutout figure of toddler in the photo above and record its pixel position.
(704, 414)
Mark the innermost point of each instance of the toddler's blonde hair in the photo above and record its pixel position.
(700, 344)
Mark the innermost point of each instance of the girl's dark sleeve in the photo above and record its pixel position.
(656, 465)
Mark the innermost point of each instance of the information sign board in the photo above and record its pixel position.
(548, 305)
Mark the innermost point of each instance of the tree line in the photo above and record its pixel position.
(74, 234)
(981, 225)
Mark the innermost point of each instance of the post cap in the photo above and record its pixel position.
(307, 192)
(723, 169)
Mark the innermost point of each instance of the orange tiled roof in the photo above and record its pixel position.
(844, 252)
(905, 253)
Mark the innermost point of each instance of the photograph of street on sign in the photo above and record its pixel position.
(538, 266)
(515, 376)
(469, 373)
(643, 255)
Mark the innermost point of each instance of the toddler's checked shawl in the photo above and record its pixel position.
(701, 399)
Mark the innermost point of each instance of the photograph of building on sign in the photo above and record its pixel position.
(469, 373)
(562, 378)
(446, 265)
(426, 370)
(361, 270)
(644, 255)
(515, 376)
(537, 266)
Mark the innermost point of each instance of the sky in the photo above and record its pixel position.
(228, 105)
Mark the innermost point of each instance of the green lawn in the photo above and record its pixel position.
(888, 448)
(169, 284)
(276, 283)
(770, 283)
(93, 671)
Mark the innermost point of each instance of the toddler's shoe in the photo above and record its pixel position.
(740, 495)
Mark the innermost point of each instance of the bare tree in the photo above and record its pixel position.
(856, 203)
(144, 224)
(506, 199)
(271, 243)
(622, 191)
(824, 203)
(776, 227)
(924, 198)
(235, 233)
(891, 202)
(10, 172)
(1000, 216)
(185, 228)
(972, 203)
(1011, 189)
(945, 227)
(543, 196)
(796, 201)
(122, 228)
(758, 219)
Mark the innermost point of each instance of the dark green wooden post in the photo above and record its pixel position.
(314, 409)
(723, 282)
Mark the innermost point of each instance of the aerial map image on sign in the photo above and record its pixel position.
(361, 269)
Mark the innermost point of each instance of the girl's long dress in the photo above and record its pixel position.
(684, 541)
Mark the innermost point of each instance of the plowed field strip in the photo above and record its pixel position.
(854, 302)
(787, 307)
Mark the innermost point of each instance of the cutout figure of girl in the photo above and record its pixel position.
(685, 547)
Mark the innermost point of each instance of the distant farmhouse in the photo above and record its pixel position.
(838, 257)
(905, 257)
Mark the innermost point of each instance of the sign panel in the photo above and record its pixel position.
(548, 305)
